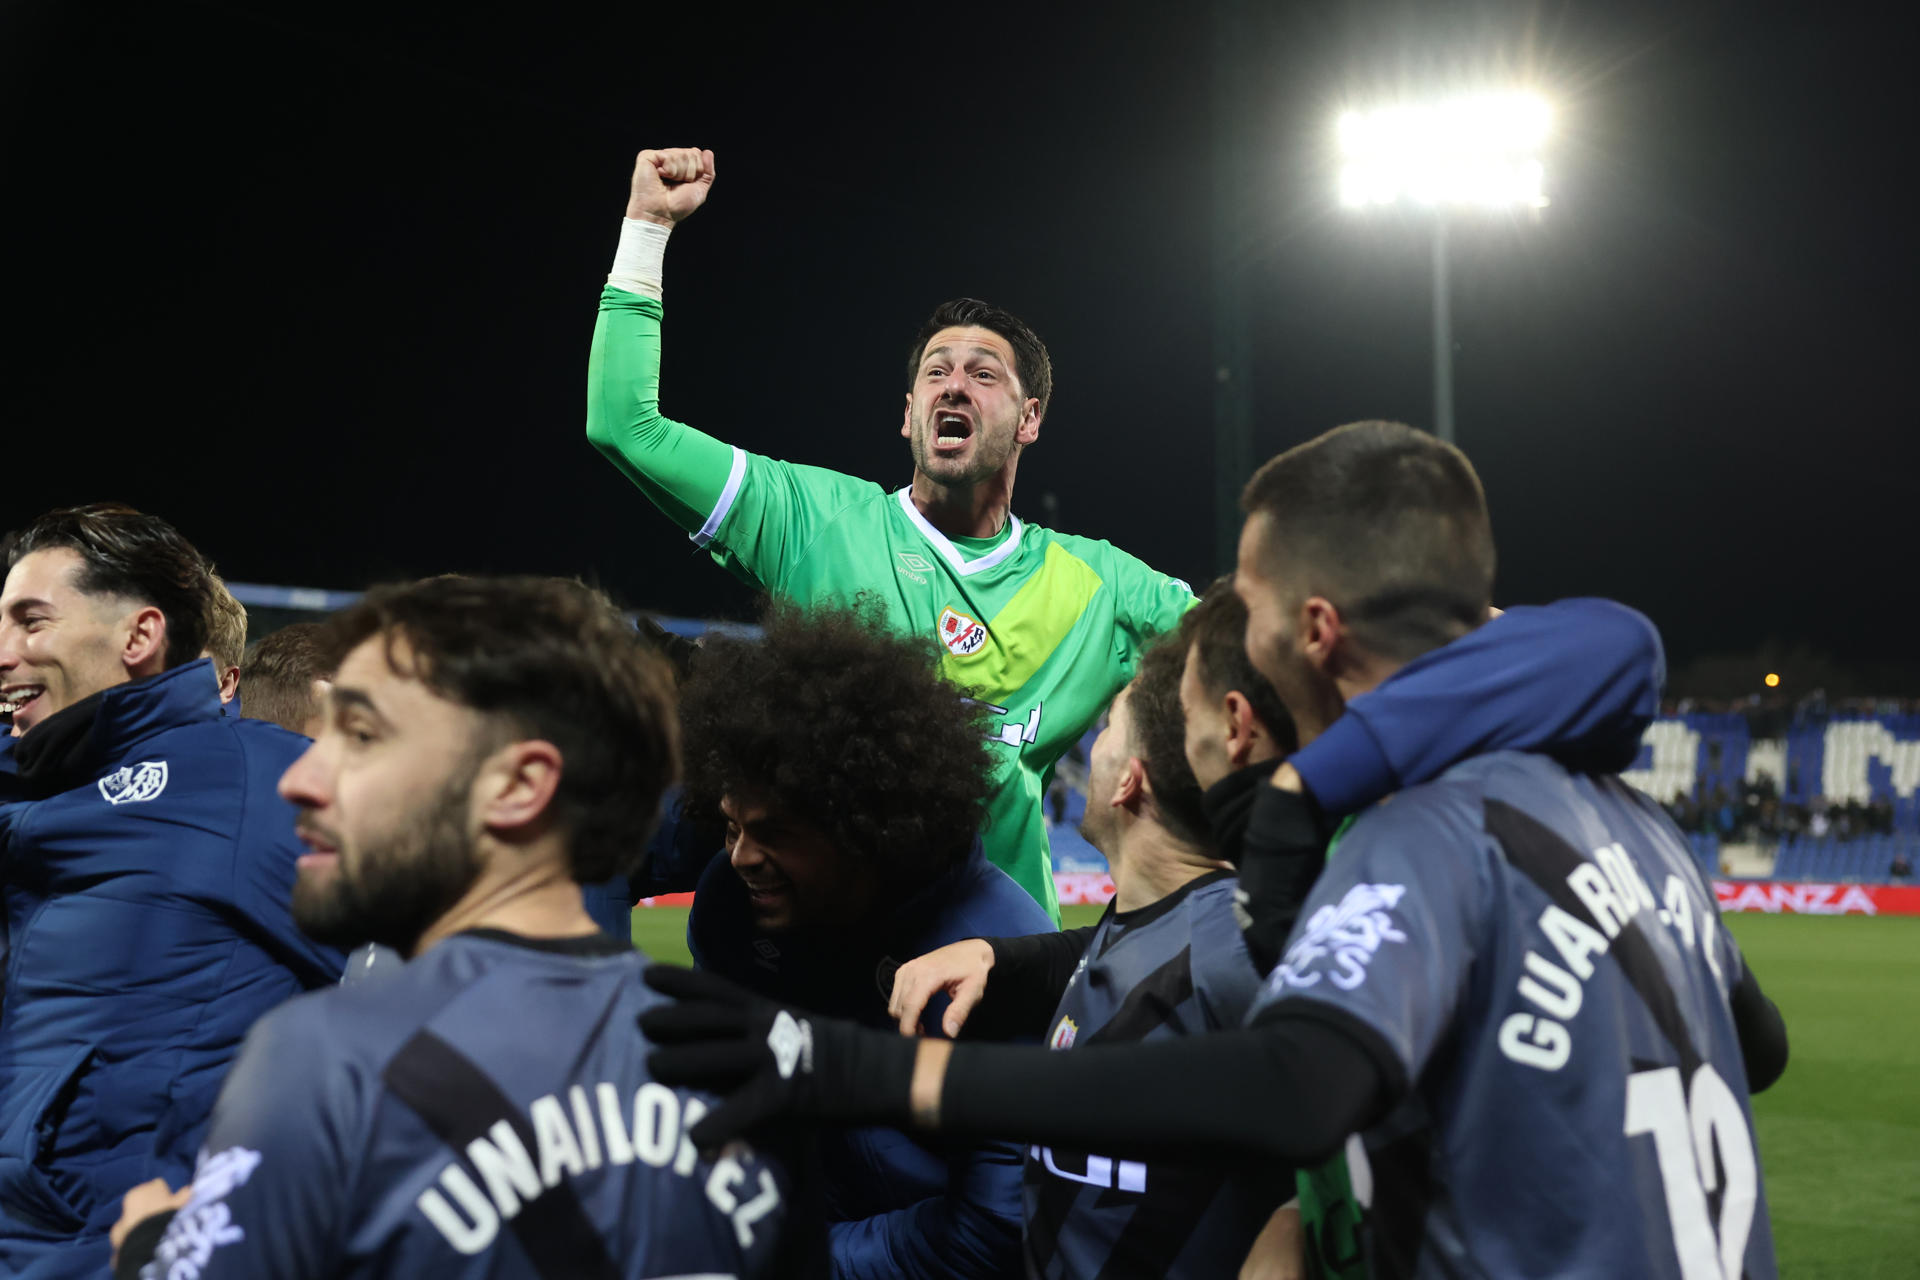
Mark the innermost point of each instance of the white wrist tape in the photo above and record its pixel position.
(638, 263)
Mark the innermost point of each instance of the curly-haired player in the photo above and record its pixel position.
(851, 778)
(837, 725)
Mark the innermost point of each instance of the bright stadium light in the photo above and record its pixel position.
(1476, 152)
(1480, 151)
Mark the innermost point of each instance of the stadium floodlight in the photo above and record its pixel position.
(1480, 151)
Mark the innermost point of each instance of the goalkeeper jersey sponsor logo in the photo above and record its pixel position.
(963, 635)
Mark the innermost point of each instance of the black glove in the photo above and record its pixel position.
(771, 1061)
(1281, 856)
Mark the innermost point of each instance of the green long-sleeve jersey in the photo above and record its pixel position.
(1045, 627)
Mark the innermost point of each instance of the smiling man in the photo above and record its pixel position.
(850, 778)
(146, 864)
(484, 1111)
(1042, 627)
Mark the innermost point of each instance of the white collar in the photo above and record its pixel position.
(941, 543)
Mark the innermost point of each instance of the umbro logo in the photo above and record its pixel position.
(135, 783)
(914, 566)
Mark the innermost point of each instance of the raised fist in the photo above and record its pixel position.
(668, 185)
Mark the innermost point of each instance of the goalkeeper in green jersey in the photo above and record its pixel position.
(1044, 627)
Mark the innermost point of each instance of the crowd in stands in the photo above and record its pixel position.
(1756, 811)
(1774, 715)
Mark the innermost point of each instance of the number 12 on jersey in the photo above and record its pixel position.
(1686, 1128)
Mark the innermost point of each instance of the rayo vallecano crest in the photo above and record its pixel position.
(1063, 1035)
(962, 635)
(134, 783)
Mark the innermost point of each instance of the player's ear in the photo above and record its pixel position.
(906, 419)
(1321, 633)
(1130, 788)
(1242, 728)
(143, 645)
(1029, 429)
(515, 786)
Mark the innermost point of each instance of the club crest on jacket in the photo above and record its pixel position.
(134, 783)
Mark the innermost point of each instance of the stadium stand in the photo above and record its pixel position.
(1822, 764)
(1871, 859)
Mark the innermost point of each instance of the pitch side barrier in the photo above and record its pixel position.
(1812, 898)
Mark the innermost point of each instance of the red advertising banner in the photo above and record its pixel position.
(1804, 898)
(1082, 888)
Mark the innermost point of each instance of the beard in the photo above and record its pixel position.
(394, 890)
(989, 454)
(1304, 690)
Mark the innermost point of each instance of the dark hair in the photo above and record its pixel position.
(1160, 740)
(550, 659)
(130, 555)
(1030, 361)
(678, 651)
(226, 627)
(1390, 525)
(277, 675)
(1216, 630)
(832, 720)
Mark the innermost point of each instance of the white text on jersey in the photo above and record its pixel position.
(595, 1135)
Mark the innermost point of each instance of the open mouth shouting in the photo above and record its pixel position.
(951, 430)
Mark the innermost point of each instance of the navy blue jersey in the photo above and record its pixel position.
(484, 1111)
(1175, 968)
(1536, 955)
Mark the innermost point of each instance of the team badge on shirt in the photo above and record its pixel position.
(1063, 1035)
(135, 783)
(962, 635)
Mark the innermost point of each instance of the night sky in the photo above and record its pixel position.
(317, 281)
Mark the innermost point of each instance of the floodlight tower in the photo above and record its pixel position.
(1476, 152)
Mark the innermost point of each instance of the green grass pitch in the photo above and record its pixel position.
(1839, 1135)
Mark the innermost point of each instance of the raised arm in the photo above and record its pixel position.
(684, 472)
